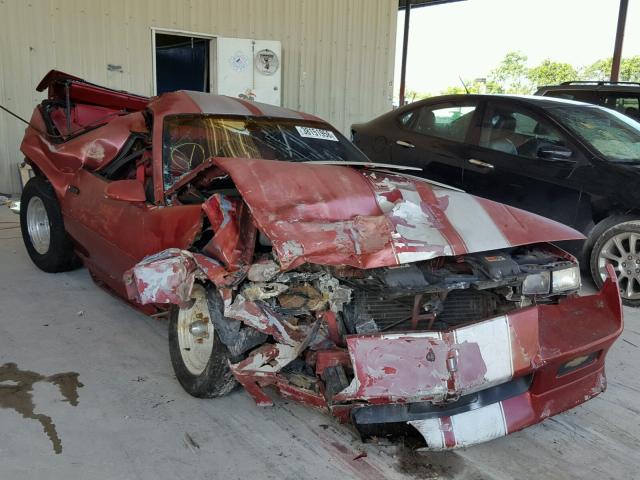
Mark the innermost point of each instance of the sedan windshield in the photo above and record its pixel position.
(615, 136)
(191, 139)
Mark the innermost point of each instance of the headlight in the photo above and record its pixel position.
(536, 284)
(565, 279)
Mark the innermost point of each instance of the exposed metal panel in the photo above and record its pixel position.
(337, 55)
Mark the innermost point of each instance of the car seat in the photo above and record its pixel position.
(426, 121)
(502, 127)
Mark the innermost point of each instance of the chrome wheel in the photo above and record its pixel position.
(621, 251)
(38, 225)
(195, 333)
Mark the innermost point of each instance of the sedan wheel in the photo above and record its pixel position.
(42, 227)
(200, 360)
(38, 225)
(619, 247)
(195, 333)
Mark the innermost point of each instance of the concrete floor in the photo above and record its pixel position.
(133, 420)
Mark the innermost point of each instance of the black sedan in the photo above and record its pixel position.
(570, 161)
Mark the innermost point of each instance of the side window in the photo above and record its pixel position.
(449, 121)
(628, 104)
(133, 162)
(518, 132)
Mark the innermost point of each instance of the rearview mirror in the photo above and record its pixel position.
(554, 152)
(125, 190)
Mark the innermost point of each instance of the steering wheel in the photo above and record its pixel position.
(185, 156)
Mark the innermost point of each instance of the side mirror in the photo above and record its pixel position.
(554, 152)
(125, 190)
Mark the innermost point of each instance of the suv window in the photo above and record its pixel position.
(446, 120)
(626, 103)
(517, 132)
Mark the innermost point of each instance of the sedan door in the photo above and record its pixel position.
(113, 233)
(522, 159)
(434, 138)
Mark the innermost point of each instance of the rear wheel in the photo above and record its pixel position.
(619, 246)
(43, 230)
(200, 360)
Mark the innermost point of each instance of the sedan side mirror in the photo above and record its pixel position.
(126, 190)
(554, 152)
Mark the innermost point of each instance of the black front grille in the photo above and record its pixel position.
(463, 306)
(460, 306)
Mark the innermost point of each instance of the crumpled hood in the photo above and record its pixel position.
(339, 215)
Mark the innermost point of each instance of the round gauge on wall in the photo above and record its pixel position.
(267, 62)
(238, 61)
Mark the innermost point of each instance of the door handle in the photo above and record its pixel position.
(480, 163)
(402, 143)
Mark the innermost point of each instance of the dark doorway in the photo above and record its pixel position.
(182, 63)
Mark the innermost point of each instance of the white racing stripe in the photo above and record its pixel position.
(494, 340)
(472, 222)
(468, 428)
(481, 425)
(431, 430)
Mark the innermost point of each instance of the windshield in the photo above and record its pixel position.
(188, 140)
(615, 136)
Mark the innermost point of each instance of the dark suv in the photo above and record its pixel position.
(621, 96)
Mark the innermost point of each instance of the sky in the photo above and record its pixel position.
(468, 39)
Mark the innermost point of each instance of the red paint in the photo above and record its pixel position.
(126, 191)
(330, 214)
(251, 107)
(331, 358)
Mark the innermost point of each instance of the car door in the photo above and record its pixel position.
(434, 138)
(112, 235)
(522, 158)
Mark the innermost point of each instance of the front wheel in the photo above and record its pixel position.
(200, 360)
(43, 230)
(619, 246)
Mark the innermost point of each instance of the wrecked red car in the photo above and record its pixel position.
(286, 259)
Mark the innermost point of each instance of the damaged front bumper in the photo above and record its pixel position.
(456, 387)
(532, 364)
(466, 385)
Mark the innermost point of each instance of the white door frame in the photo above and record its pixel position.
(184, 33)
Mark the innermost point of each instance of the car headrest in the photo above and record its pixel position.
(501, 121)
(426, 120)
(542, 129)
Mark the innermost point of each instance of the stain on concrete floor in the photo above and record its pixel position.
(16, 393)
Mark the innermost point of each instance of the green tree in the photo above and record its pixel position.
(630, 69)
(412, 95)
(601, 69)
(455, 90)
(598, 70)
(474, 86)
(550, 73)
(511, 74)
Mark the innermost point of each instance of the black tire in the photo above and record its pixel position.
(216, 379)
(598, 238)
(60, 255)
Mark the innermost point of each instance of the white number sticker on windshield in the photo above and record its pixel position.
(318, 133)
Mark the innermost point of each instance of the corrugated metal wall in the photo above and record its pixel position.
(337, 54)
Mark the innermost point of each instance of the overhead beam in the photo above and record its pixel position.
(405, 47)
(617, 49)
(407, 5)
